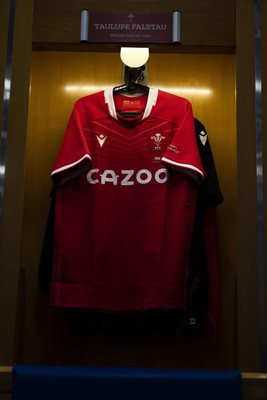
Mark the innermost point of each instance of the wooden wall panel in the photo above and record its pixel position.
(204, 23)
(58, 79)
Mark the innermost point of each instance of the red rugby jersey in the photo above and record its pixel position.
(125, 203)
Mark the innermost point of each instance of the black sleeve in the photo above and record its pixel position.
(210, 191)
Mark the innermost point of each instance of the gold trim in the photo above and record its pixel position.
(5, 369)
(254, 375)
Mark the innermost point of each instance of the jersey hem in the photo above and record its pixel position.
(139, 298)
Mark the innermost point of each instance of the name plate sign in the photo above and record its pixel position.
(130, 27)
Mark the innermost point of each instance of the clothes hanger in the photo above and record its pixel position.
(132, 87)
(132, 77)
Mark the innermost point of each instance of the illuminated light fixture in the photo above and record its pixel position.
(179, 90)
(134, 57)
(189, 91)
(83, 88)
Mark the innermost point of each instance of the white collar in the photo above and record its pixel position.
(151, 101)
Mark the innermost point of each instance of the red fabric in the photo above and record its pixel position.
(123, 222)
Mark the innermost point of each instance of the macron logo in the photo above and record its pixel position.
(203, 137)
(101, 139)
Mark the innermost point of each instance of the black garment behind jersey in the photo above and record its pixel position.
(198, 287)
(199, 284)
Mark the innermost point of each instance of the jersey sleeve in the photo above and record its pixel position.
(182, 153)
(74, 156)
(211, 194)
